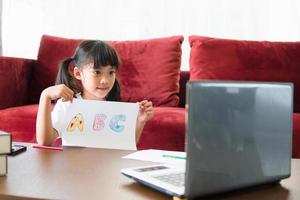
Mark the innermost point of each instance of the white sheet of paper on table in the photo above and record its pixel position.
(100, 124)
(159, 156)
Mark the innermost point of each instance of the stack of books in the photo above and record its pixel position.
(5, 148)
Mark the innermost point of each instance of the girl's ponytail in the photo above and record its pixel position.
(64, 76)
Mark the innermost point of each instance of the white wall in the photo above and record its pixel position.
(24, 21)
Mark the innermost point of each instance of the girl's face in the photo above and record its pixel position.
(96, 83)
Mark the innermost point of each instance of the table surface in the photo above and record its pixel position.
(90, 173)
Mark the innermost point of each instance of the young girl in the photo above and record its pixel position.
(93, 77)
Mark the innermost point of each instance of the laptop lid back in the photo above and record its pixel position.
(239, 134)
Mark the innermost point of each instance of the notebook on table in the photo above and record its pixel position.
(238, 134)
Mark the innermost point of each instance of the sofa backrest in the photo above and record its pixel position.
(210, 58)
(223, 59)
(149, 68)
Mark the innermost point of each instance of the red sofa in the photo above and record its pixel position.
(150, 69)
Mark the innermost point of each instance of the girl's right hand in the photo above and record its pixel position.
(58, 91)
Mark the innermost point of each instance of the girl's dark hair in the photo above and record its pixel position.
(96, 51)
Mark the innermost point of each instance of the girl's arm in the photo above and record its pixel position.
(45, 133)
(145, 114)
(138, 131)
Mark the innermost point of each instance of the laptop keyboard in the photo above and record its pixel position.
(176, 179)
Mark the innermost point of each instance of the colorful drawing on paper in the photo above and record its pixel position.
(116, 123)
(76, 121)
(99, 123)
(103, 124)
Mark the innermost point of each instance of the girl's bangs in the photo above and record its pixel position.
(105, 55)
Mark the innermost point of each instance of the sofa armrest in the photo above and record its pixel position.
(15, 76)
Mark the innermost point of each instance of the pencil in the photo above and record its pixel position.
(46, 147)
(172, 156)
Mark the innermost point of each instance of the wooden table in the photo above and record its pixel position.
(87, 173)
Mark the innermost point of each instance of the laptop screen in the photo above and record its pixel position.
(238, 134)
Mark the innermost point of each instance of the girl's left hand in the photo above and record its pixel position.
(145, 112)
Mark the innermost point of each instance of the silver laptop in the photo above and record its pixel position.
(238, 134)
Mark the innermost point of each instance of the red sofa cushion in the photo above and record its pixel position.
(223, 59)
(166, 130)
(20, 122)
(51, 52)
(146, 66)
